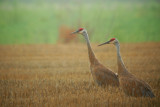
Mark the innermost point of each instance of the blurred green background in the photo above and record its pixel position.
(39, 21)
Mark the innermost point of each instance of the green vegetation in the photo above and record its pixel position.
(35, 22)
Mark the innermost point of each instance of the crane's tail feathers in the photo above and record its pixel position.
(150, 94)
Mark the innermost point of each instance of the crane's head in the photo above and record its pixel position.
(80, 31)
(111, 41)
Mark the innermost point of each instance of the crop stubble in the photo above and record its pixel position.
(59, 75)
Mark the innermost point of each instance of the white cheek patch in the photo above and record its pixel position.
(81, 31)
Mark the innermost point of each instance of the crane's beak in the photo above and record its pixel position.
(104, 43)
(75, 32)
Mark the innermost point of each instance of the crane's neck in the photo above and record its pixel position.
(121, 67)
(92, 57)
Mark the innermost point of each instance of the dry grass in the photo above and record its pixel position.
(58, 75)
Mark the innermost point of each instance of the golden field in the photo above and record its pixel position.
(59, 75)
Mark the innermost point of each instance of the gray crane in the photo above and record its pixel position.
(131, 85)
(101, 75)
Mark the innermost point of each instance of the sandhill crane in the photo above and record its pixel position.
(131, 85)
(101, 75)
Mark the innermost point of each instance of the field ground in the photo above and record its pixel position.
(58, 75)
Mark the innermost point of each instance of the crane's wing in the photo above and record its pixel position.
(104, 76)
(133, 86)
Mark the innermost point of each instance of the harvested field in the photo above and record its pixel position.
(58, 75)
